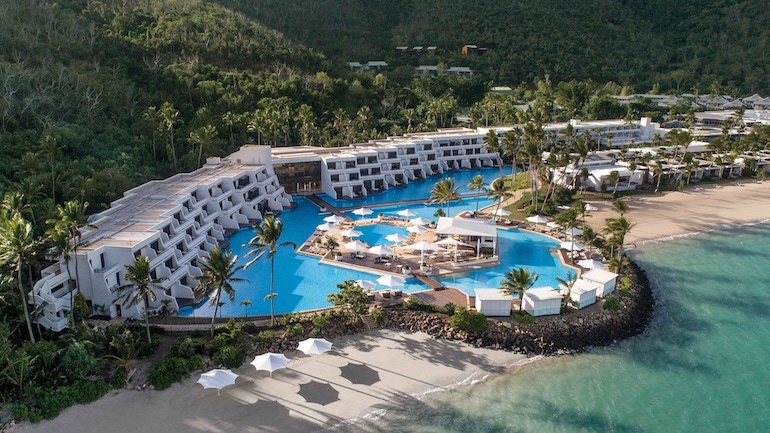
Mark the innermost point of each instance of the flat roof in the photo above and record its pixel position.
(492, 295)
(599, 275)
(546, 293)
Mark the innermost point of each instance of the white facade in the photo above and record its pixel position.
(605, 279)
(173, 222)
(491, 302)
(583, 293)
(542, 301)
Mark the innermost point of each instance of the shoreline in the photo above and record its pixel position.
(685, 213)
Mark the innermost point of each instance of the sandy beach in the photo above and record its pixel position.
(389, 368)
(696, 209)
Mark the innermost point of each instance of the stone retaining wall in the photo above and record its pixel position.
(547, 335)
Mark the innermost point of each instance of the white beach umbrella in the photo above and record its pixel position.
(362, 211)
(590, 264)
(391, 280)
(424, 246)
(417, 229)
(334, 219)
(314, 346)
(366, 284)
(351, 233)
(356, 245)
(420, 221)
(572, 246)
(537, 219)
(501, 212)
(590, 208)
(553, 225)
(325, 227)
(270, 362)
(381, 250)
(396, 238)
(453, 241)
(574, 231)
(406, 213)
(218, 379)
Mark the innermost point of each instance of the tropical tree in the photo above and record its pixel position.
(620, 206)
(217, 275)
(61, 245)
(477, 184)
(50, 147)
(265, 244)
(17, 246)
(512, 145)
(568, 283)
(589, 238)
(202, 137)
(246, 304)
(445, 191)
(71, 217)
(492, 144)
(351, 296)
(614, 179)
(498, 192)
(170, 117)
(618, 228)
(140, 289)
(518, 281)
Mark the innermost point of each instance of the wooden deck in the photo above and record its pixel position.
(440, 298)
(428, 281)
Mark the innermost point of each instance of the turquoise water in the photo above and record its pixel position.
(701, 366)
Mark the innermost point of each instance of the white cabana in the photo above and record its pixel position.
(604, 278)
(471, 231)
(542, 301)
(572, 246)
(583, 293)
(492, 302)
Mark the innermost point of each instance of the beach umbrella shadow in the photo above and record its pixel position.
(318, 392)
(360, 374)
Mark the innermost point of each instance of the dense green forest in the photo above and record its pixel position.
(676, 44)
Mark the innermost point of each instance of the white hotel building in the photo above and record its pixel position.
(173, 222)
(176, 221)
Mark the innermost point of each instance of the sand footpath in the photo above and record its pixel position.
(696, 209)
(361, 376)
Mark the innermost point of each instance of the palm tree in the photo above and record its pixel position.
(246, 304)
(518, 281)
(72, 216)
(202, 137)
(170, 116)
(265, 244)
(618, 228)
(140, 290)
(17, 245)
(477, 184)
(61, 245)
(498, 192)
(511, 148)
(589, 238)
(620, 206)
(218, 274)
(568, 283)
(492, 144)
(51, 149)
(445, 191)
(614, 179)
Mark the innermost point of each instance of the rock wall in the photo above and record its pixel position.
(547, 335)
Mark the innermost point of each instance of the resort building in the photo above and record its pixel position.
(173, 222)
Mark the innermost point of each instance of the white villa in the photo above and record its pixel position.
(173, 222)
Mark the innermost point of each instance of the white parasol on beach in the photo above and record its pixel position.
(366, 284)
(270, 362)
(396, 238)
(356, 245)
(391, 280)
(381, 250)
(314, 346)
(574, 231)
(363, 212)
(406, 213)
(218, 379)
(537, 219)
(572, 246)
(417, 229)
(501, 212)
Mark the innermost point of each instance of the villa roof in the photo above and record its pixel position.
(492, 295)
(582, 286)
(545, 293)
(464, 227)
(599, 275)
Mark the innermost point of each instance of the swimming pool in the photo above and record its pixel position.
(303, 283)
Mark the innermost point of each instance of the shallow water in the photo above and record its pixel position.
(701, 366)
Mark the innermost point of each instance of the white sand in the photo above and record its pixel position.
(694, 210)
(408, 365)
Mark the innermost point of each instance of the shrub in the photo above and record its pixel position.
(315, 332)
(296, 330)
(53, 400)
(611, 303)
(450, 308)
(472, 321)
(266, 337)
(523, 319)
(378, 317)
(187, 347)
(625, 286)
(118, 379)
(229, 356)
(321, 321)
(76, 362)
(414, 304)
(168, 371)
(21, 412)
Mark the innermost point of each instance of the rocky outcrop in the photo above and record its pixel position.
(547, 335)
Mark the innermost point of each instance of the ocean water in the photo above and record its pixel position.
(703, 365)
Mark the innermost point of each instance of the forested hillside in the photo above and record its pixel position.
(677, 44)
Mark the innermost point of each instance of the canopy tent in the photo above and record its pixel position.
(483, 233)
(218, 379)
(334, 219)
